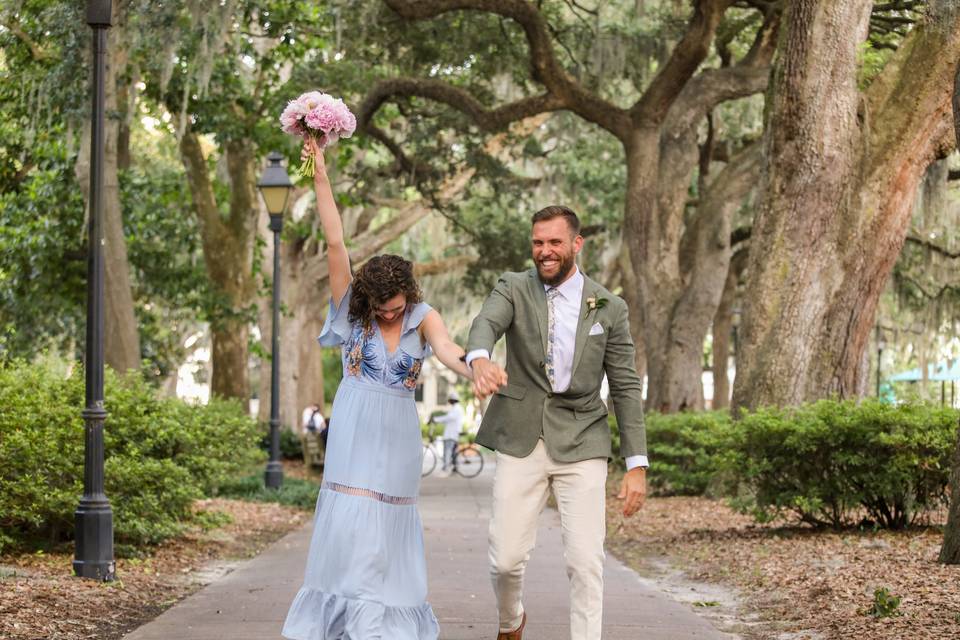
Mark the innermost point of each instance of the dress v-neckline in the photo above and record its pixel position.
(383, 340)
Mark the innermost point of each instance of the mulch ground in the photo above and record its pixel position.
(794, 582)
(40, 599)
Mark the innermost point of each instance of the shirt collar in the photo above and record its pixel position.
(570, 287)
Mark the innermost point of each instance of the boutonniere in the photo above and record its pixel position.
(595, 303)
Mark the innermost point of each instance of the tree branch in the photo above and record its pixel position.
(38, 53)
(934, 247)
(405, 164)
(560, 85)
(443, 265)
(201, 189)
(461, 100)
(692, 49)
(714, 86)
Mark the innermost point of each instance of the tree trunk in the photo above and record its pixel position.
(842, 172)
(950, 551)
(121, 336)
(723, 332)
(680, 387)
(722, 329)
(228, 256)
(682, 265)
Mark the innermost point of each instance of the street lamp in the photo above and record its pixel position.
(881, 345)
(94, 518)
(275, 188)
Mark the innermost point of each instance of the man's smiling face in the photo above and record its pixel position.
(555, 249)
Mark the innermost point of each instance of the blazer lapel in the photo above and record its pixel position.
(540, 307)
(584, 321)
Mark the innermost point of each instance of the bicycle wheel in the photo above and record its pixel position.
(468, 462)
(428, 462)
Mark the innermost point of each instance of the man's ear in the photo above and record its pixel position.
(577, 243)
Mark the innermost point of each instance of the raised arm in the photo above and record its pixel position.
(337, 257)
(449, 352)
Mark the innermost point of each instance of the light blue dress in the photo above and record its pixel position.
(366, 575)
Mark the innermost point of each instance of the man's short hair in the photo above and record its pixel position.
(558, 211)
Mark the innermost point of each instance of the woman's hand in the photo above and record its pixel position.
(312, 148)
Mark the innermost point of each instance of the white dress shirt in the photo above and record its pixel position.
(567, 307)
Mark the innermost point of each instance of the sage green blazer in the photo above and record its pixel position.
(573, 424)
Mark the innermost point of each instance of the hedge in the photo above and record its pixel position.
(160, 455)
(830, 463)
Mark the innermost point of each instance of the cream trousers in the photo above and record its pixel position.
(520, 490)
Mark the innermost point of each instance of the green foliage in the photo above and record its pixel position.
(290, 446)
(684, 450)
(171, 288)
(885, 604)
(294, 492)
(332, 373)
(160, 455)
(830, 463)
(42, 252)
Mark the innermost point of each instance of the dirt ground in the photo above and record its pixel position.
(790, 583)
(40, 599)
(760, 582)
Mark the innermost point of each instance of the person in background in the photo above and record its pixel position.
(452, 422)
(313, 421)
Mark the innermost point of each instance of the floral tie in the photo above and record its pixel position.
(552, 294)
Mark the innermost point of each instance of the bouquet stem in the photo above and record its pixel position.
(308, 167)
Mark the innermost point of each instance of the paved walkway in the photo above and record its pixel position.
(251, 602)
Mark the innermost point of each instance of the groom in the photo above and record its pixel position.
(548, 425)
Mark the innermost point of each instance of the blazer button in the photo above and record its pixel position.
(541, 365)
(550, 394)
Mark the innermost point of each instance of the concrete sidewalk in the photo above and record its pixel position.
(251, 602)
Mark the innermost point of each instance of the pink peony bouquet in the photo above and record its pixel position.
(319, 116)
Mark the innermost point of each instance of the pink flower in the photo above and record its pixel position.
(319, 116)
(322, 119)
(291, 118)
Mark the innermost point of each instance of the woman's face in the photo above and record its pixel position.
(391, 310)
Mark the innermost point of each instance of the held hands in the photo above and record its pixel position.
(487, 377)
(633, 491)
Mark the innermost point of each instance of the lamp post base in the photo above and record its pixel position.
(94, 555)
(273, 476)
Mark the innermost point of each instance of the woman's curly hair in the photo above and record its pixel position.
(378, 280)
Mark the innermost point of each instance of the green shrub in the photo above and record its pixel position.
(160, 455)
(830, 463)
(291, 448)
(294, 492)
(684, 451)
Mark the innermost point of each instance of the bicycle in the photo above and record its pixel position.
(467, 460)
(429, 461)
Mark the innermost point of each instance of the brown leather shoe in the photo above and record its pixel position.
(516, 634)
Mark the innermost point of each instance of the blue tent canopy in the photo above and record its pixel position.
(941, 371)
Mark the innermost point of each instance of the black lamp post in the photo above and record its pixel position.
(94, 518)
(881, 344)
(275, 188)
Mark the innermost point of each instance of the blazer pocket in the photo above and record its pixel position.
(592, 413)
(514, 391)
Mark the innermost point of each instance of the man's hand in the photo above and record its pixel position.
(487, 377)
(633, 491)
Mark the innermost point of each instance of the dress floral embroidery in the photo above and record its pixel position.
(365, 356)
(405, 370)
(361, 354)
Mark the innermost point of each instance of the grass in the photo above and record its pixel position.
(294, 492)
